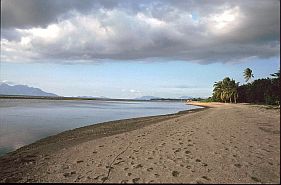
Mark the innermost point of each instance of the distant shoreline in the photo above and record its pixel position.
(82, 98)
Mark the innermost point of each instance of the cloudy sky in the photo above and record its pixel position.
(126, 48)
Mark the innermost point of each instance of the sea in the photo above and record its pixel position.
(24, 121)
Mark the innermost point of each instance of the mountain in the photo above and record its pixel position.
(147, 98)
(6, 89)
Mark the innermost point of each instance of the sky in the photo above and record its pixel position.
(128, 49)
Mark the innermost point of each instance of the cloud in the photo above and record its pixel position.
(93, 31)
(134, 91)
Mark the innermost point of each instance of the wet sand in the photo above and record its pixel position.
(225, 143)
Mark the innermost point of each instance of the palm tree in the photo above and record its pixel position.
(234, 90)
(248, 74)
(226, 90)
(218, 90)
(226, 84)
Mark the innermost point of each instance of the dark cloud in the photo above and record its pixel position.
(32, 13)
(212, 31)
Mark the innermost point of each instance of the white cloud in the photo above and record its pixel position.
(134, 91)
(223, 32)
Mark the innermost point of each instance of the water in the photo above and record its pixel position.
(23, 121)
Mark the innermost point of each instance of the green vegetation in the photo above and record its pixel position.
(225, 90)
(210, 99)
(248, 74)
(259, 91)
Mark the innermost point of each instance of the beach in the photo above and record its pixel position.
(222, 143)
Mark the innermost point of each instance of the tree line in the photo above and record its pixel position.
(261, 91)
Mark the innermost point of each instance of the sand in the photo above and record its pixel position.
(226, 143)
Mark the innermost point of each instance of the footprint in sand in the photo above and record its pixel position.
(206, 178)
(124, 181)
(138, 166)
(79, 161)
(135, 180)
(104, 179)
(69, 174)
(97, 177)
(205, 164)
(238, 165)
(187, 152)
(149, 169)
(175, 173)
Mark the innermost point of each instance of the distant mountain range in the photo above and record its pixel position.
(6, 89)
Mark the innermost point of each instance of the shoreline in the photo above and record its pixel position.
(103, 129)
(171, 145)
(69, 138)
(8, 150)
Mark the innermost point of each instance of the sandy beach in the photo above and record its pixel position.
(224, 143)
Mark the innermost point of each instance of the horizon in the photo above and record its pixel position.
(123, 49)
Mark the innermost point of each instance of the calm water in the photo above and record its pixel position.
(24, 121)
